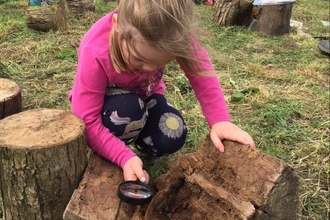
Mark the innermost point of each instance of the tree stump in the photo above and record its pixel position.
(81, 5)
(232, 12)
(240, 184)
(10, 98)
(43, 157)
(274, 19)
(96, 197)
(45, 18)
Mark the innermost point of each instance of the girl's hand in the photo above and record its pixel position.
(133, 170)
(228, 131)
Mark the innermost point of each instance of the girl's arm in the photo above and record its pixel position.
(87, 97)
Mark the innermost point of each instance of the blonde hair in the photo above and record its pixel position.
(164, 24)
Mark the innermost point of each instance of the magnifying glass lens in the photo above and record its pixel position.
(135, 192)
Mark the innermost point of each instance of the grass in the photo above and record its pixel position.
(288, 117)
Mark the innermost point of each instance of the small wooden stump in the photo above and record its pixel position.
(274, 19)
(43, 157)
(10, 98)
(241, 184)
(96, 197)
(45, 18)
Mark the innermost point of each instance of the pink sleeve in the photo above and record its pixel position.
(87, 97)
(208, 91)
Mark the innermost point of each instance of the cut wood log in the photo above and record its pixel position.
(43, 157)
(81, 6)
(241, 183)
(10, 98)
(96, 197)
(274, 19)
(46, 18)
(232, 12)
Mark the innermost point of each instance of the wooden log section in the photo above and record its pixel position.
(10, 98)
(80, 6)
(96, 198)
(240, 184)
(232, 12)
(46, 18)
(274, 20)
(43, 157)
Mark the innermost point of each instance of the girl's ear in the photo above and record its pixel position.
(115, 23)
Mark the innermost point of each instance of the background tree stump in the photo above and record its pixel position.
(274, 20)
(45, 18)
(10, 98)
(242, 184)
(81, 5)
(232, 12)
(43, 157)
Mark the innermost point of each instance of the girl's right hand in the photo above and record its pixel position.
(133, 170)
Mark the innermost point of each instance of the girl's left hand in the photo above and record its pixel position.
(228, 131)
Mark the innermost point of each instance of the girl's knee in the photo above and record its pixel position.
(124, 114)
(165, 135)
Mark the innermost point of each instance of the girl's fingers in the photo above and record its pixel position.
(217, 141)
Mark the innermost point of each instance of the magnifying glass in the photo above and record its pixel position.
(135, 192)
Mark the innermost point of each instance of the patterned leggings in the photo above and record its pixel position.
(154, 123)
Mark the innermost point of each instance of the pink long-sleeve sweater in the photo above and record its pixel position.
(95, 73)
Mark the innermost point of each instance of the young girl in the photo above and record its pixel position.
(118, 89)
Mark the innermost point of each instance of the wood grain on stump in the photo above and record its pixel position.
(274, 20)
(10, 98)
(96, 197)
(81, 6)
(232, 12)
(241, 183)
(46, 18)
(43, 157)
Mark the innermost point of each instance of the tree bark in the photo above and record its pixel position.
(274, 20)
(96, 197)
(232, 12)
(241, 183)
(10, 98)
(45, 18)
(43, 157)
(81, 5)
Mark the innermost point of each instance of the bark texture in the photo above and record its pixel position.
(274, 20)
(96, 197)
(43, 157)
(232, 12)
(242, 184)
(10, 98)
(46, 18)
(81, 5)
